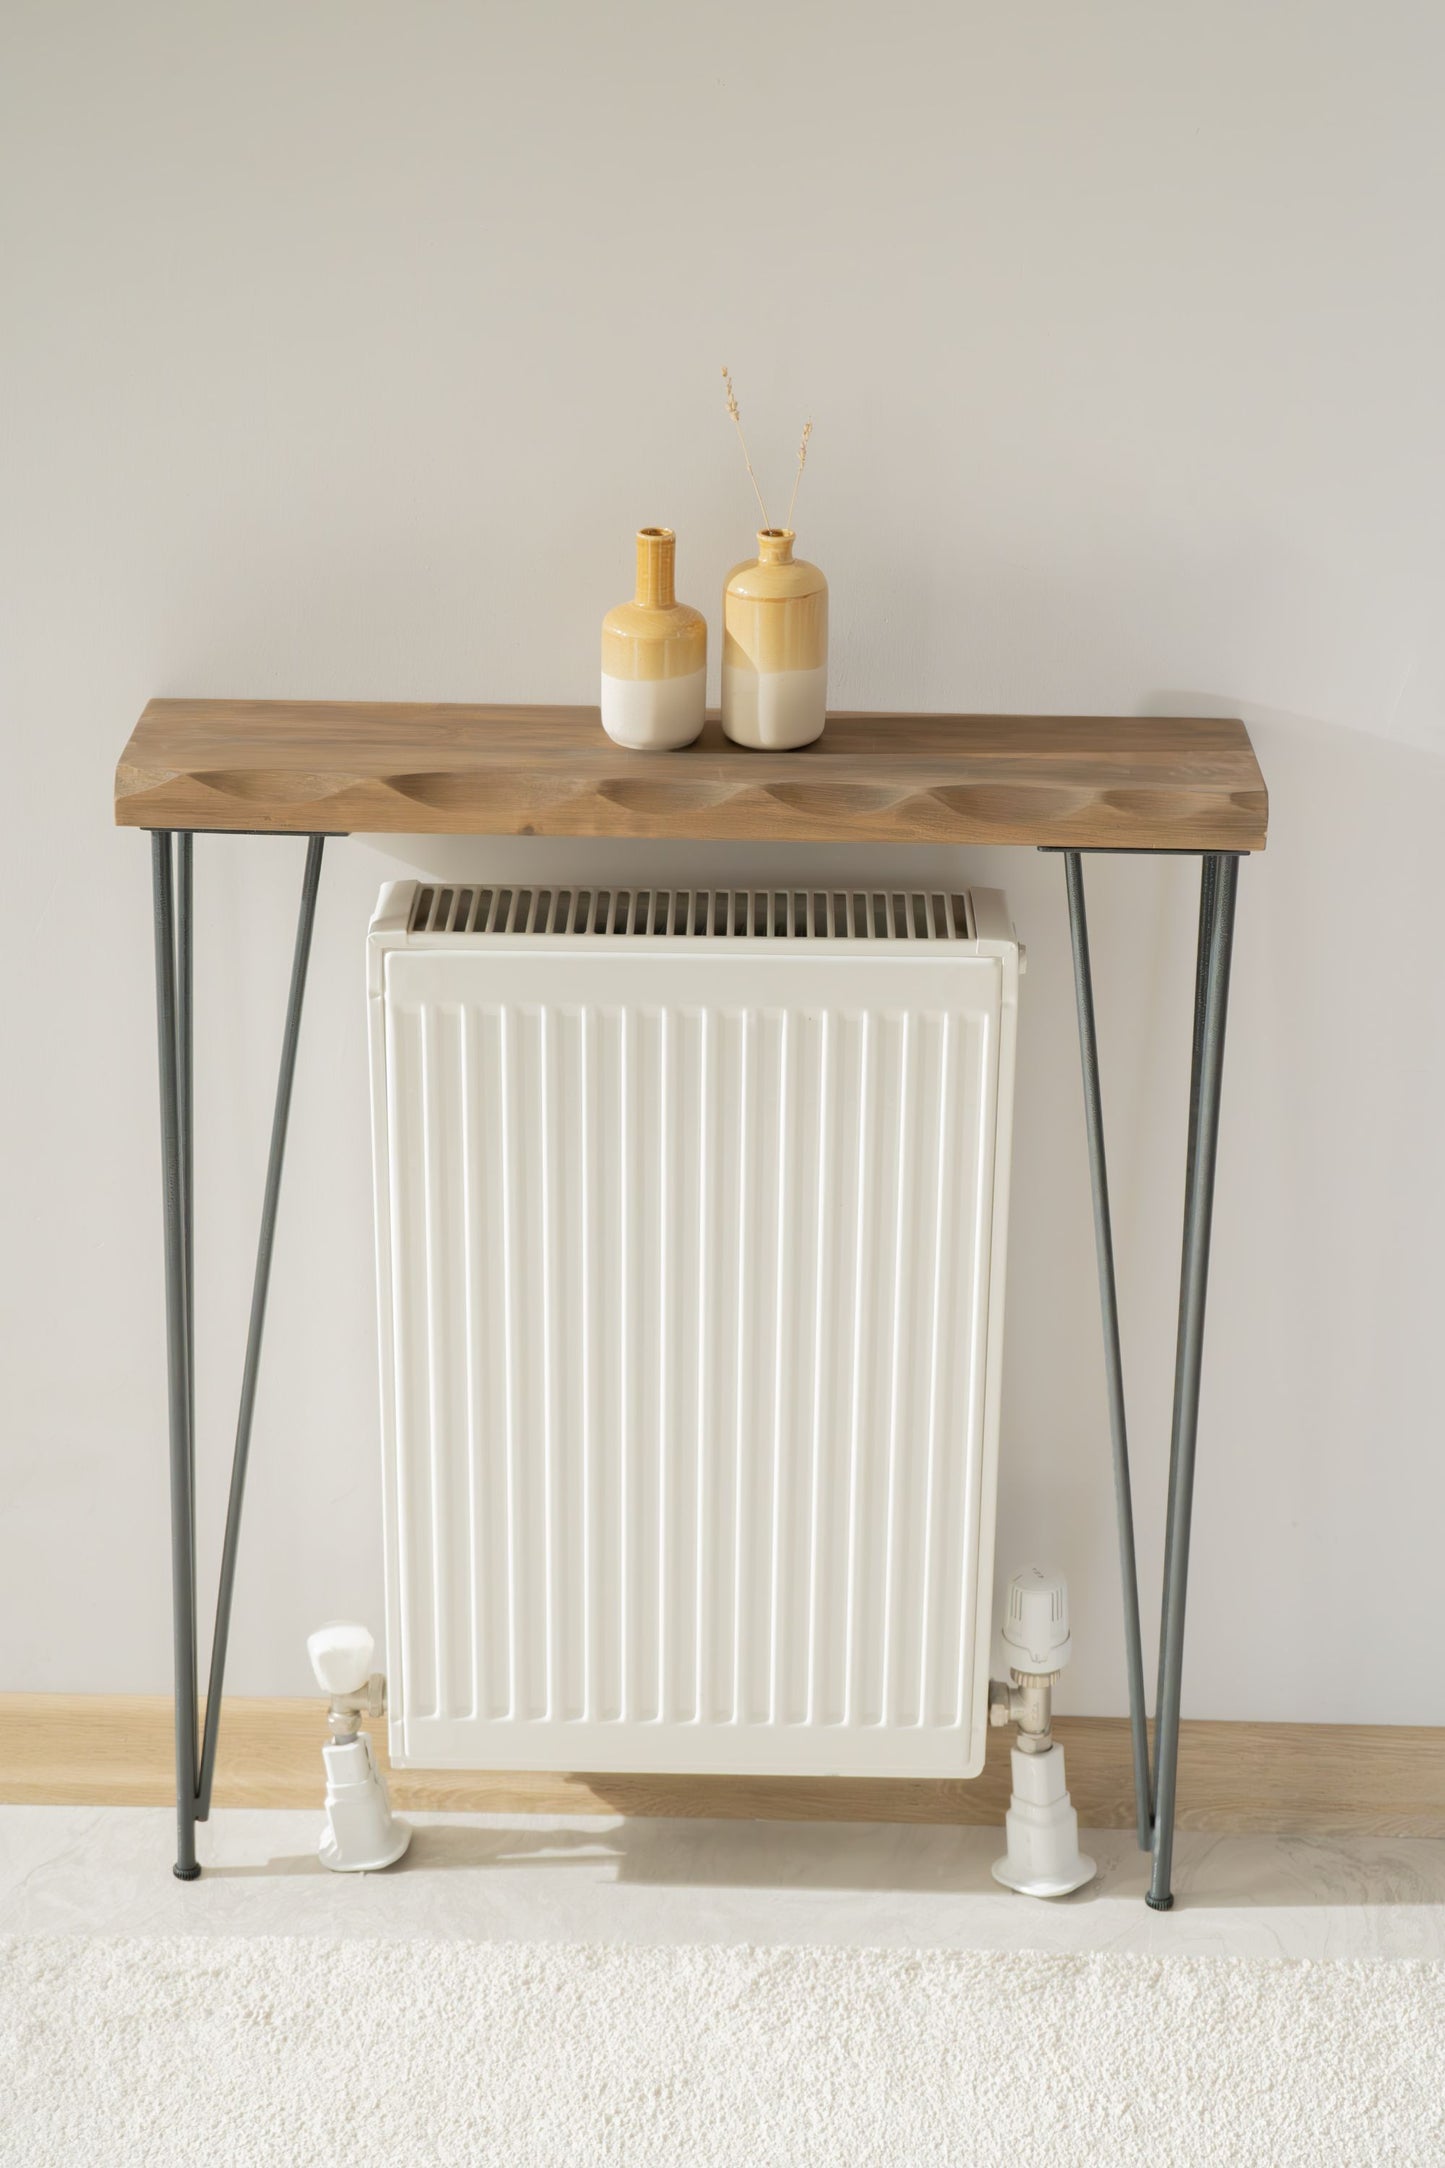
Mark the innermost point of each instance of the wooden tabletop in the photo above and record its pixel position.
(1083, 781)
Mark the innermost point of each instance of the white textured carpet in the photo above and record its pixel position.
(295, 2052)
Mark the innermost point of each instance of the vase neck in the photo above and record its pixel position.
(775, 545)
(656, 563)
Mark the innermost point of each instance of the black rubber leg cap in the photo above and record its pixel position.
(1155, 1904)
(186, 1874)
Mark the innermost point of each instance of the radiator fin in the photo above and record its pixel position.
(751, 1418)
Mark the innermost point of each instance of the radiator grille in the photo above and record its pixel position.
(794, 914)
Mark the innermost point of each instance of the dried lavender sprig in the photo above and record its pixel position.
(802, 462)
(737, 424)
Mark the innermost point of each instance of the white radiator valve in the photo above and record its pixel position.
(1036, 1622)
(1043, 1857)
(361, 1832)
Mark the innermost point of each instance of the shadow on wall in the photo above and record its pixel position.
(1320, 1481)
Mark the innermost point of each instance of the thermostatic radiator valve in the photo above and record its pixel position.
(361, 1831)
(1043, 1857)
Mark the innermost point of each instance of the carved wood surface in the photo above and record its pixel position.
(300, 767)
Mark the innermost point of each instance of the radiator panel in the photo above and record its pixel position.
(689, 1280)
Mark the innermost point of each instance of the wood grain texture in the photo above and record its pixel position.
(300, 767)
(1324, 1779)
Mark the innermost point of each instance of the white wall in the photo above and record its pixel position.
(344, 347)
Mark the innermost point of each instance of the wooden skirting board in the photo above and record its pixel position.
(116, 1750)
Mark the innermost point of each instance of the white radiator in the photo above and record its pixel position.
(690, 1224)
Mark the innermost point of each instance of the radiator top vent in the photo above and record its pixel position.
(794, 914)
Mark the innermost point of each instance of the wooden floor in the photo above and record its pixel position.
(1327, 1779)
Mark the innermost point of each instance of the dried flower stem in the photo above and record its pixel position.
(737, 424)
(802, 462)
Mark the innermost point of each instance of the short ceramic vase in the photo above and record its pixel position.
(775, 648)
(654, 656)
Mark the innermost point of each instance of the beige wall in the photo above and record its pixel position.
(344, 346)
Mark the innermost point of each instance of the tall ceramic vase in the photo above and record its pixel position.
(775, 647)
(654, 656)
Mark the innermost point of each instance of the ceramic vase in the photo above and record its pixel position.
(654, 656)
(775, 647)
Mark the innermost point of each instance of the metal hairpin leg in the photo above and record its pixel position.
(1154, 1801)
(172, 884)
(1113, 1358)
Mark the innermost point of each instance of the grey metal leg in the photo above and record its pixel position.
(1216, 945)
(260, 1287)
(1113, 1359)
(178, 1365)
(185, 1088)
(1155, 1802)
(1208, 881)
(196, 1752)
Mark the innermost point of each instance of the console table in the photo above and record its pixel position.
(1071, 784)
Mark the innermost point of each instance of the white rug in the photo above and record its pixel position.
(300, 2052)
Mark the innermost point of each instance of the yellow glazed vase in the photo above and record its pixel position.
(654, 656)
(775, 647)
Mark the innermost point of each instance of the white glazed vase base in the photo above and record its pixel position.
(774, 710)
(654, 715)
